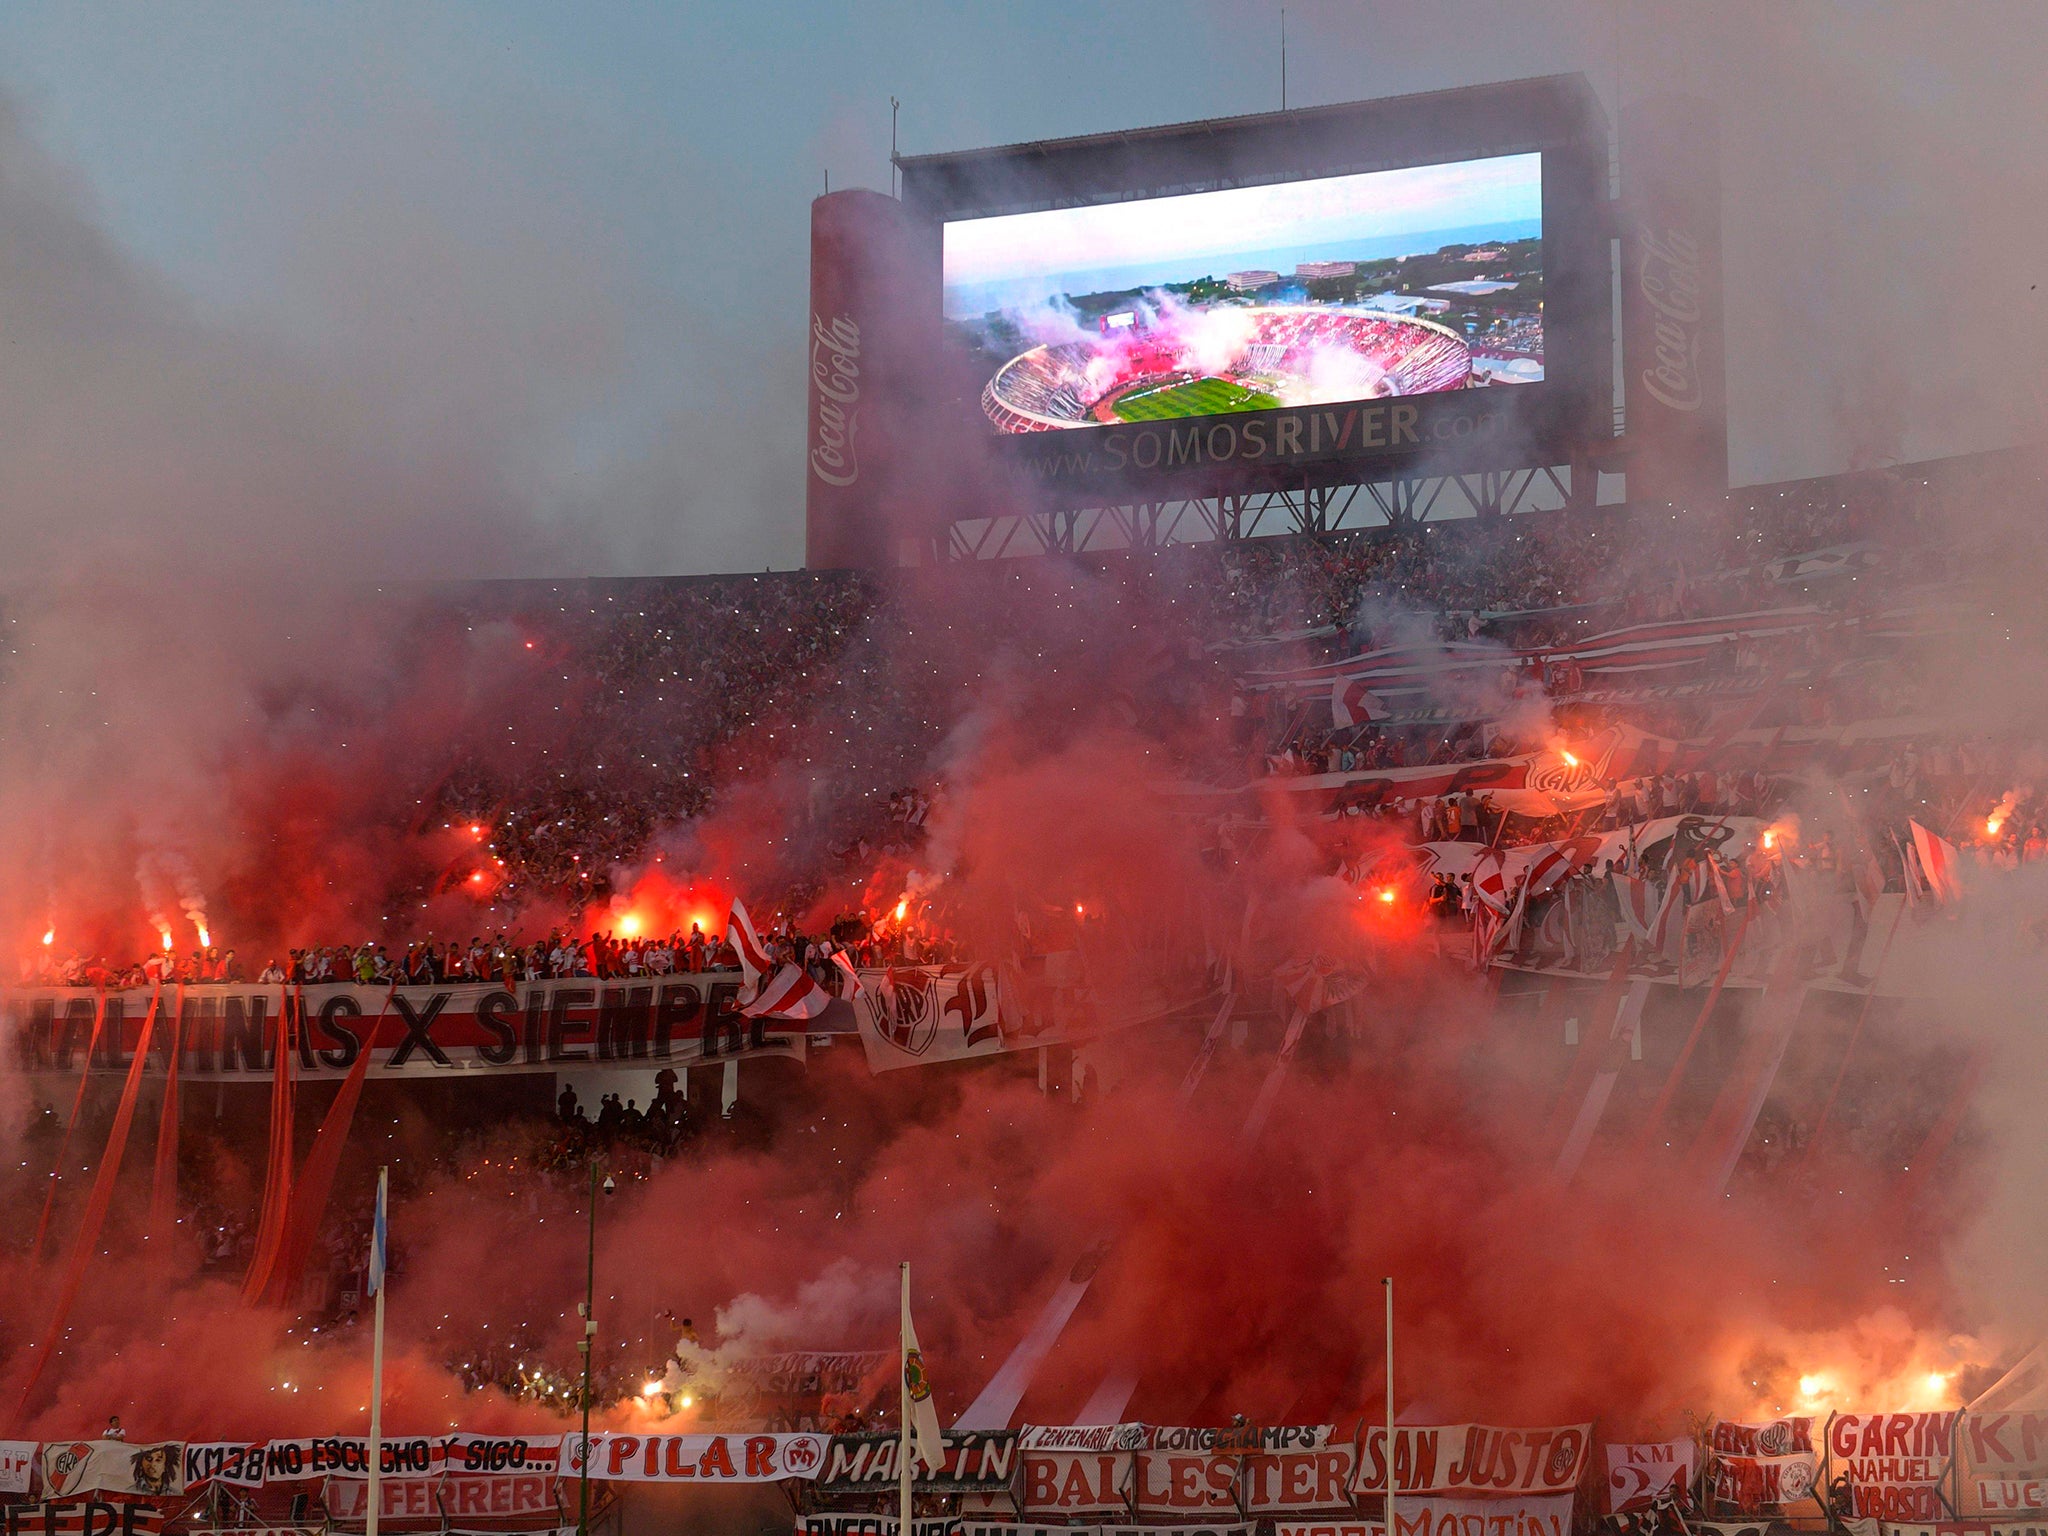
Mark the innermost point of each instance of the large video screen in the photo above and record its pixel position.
(1340, 288)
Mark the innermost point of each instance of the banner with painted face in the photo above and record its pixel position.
(1298, 1482)
(701, 1458)
(1895, 1462)
(1639, 1476)
(1475, 1459)
(1759, 1484)
(73, 1467)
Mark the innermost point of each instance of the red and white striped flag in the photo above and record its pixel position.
(854, 985)
(789, 994)
(739, 933)
(1939, 863)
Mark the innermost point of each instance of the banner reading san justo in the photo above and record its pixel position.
(1475, 1459)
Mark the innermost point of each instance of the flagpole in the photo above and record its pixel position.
(1388, 1282)
(903, 1527)
(377, 1360)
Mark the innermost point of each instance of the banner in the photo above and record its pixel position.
(854, 1523)
(1084, 1437)
(1307, 1482)
(80, 1517)
(1184, 1483)
(2005, 1464)
(229, 1033)
(17, 1460)
(1475, 1458)
(501, 1453)
(984, 1461)
(1894, 1462)
(286, 1461)
(912, 1015)
(1549, 1516)
(1235, 1528)
(701, 1458)
(1758, 1484)
(1238, 1438)
(434, 1498)
(1075, 1483)
(113, 1466)
(1780, 1437)
(1638, 1476)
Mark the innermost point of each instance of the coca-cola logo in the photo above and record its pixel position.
(835, 399)
(1670, 279)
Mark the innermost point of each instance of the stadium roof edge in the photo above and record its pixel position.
(1570, 84)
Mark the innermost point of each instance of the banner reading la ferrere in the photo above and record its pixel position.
(1475, 1459)
(229, 1033)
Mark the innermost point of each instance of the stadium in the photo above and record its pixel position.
(1396, 996)
(1197, 363)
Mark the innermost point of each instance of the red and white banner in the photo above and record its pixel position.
(1475, 1459)
(702, 1458)
(1640, 1475)
(17, 1461)
(1075, 1482)
(913, 1015)
(2005, 1464)
(511, 1496)
(1548, 1516)
(1757, 1484)
(1304, 1482)
(1894, 1462)
(1778, 1437)
(73, 1467)
(1184, 1483)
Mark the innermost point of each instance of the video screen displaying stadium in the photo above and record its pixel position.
(1339, 288)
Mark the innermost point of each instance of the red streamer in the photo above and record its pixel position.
(277, 1178)
(99, 1016)
(316, 1179)
(85, 1241)
(163, 1181)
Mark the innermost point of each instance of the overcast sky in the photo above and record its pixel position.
(547, 263)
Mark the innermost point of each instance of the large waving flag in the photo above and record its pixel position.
(1939, 863)
(920, 1413)
(788, 994)
(739, 933)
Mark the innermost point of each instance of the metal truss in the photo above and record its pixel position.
(1399, 501)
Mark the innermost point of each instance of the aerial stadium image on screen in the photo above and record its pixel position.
(1339, 288)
